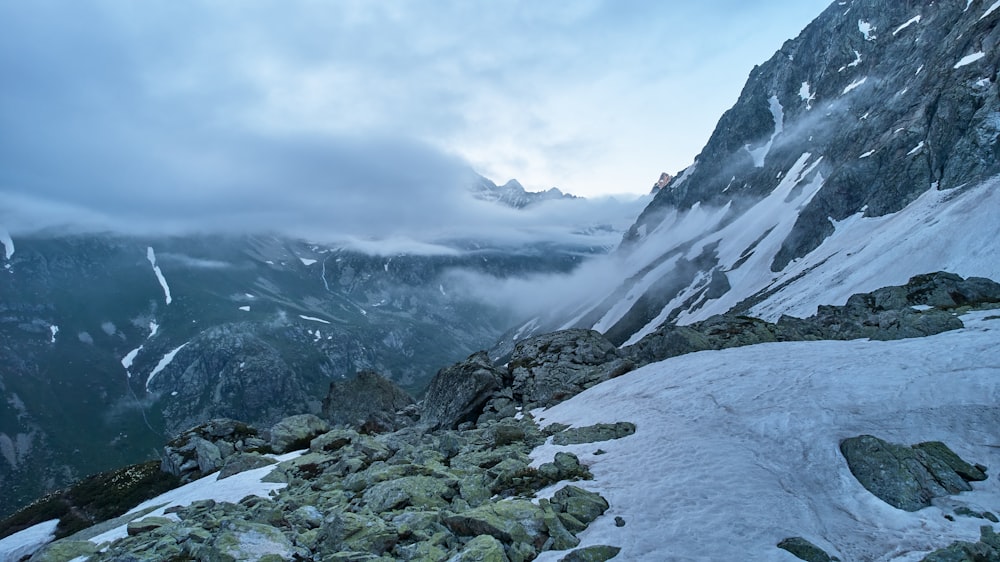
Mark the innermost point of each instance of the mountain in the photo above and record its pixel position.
(865, 151)
(110, 343)
(514, 195)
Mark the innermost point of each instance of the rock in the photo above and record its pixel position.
(244, 540)
(583, 505)
(61, 551)
(509, 521)
(547, 369)
(986, 550)
(356, 532)
(295, 432)
(241, 462)
(906, 477)
(457, 394)
(805, 550)
(417, 491)
(146, 524)
(596, 553)
(594, 433)
(333, 440)
(368, 400)
(204, 448)
(483, 548)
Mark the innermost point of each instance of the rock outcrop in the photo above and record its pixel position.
(924, 306)
(204, 448)
(547, 369)
(908, 478)
(457, 394)
(368, 400)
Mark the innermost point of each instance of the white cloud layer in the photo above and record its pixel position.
(355, 117)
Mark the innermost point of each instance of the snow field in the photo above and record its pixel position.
(736, 450)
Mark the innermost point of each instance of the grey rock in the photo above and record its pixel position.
(457, 394)
(596, 553)
(594, 433)
(547, 369)
(907, 478)
(368, 400)
(241, 462)
(295, 432)
(483, 548)
(583, 505)
(146, 524)
(805, 550)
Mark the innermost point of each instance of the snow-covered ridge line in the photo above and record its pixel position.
(151, 256)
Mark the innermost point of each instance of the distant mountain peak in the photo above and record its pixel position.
(513, 194)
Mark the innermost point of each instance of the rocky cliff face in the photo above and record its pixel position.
(863, 152)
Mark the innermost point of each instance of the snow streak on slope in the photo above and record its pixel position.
(953, 230)
(8, 244)
(778, 114)
(164, 361)
(151, 256)
(736, 450)
(745, 249)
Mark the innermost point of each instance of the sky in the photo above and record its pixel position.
(372, 116)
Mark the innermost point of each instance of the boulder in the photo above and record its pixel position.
(594, 433)
(907, 478)
(547, 369)
(508, 521)
(204, 448)
(805, 550)
(458, 393)
(369, 400)
(483, 548)
(596, 553)
(295, 432)
(241, 462)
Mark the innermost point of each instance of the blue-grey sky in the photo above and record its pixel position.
(166, 110)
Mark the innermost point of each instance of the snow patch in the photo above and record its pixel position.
(307, 261)
(25, 542)
(313, 319)
(916, 149)
(807, 95)
(8, 243)
(153, 328)
(908, 23)
(231, 490)
(151, 256)
(129, 359)
(778, 114)
(744, 443)
(867, 29)
(990, 10)
(867, 154)
(164, 361)
(921, 67)
(55, 330)
(854, 85)
(969, 59)
(245, 308)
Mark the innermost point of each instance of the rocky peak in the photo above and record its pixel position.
(664, 180)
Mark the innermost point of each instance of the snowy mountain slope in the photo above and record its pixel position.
(865, 151)
(109, 343)
(736, 450)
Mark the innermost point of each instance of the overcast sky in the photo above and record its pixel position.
(175, 112)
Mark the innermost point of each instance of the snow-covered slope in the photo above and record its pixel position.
(736, 450)
(867, 150)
